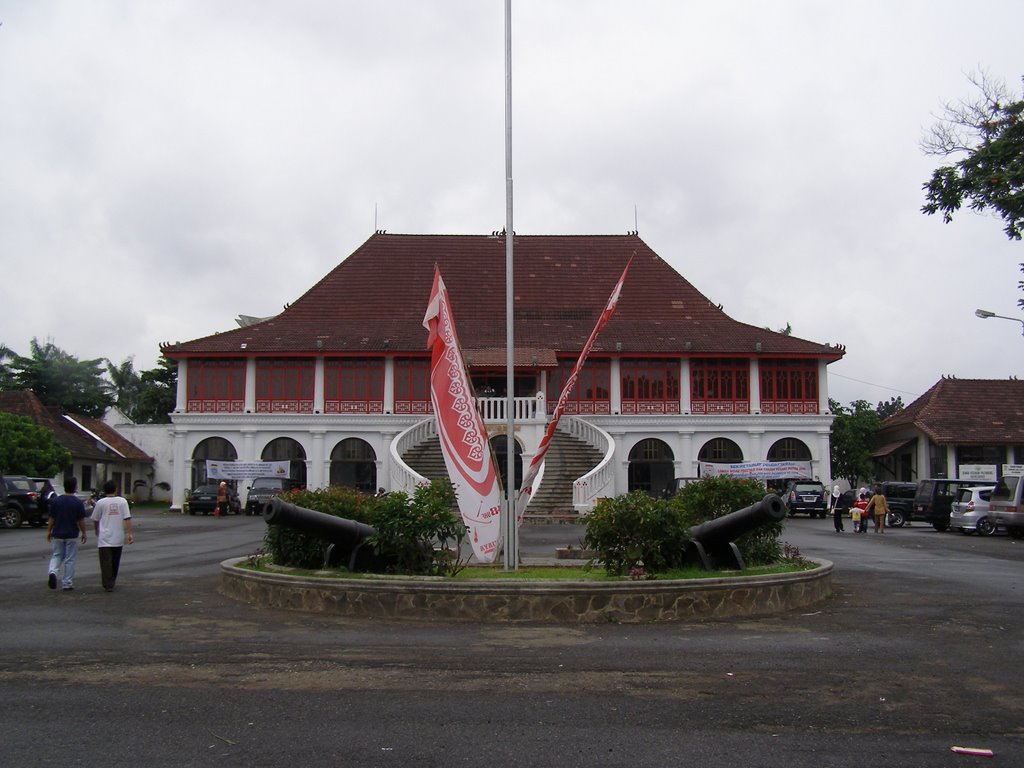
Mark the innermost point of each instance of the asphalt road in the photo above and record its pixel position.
(916, 652)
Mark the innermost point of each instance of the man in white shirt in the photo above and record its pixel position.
(113, 521)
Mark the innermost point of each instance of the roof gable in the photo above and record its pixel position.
(967, 411)
(374, 301)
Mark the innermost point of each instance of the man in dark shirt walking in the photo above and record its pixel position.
(66, 522)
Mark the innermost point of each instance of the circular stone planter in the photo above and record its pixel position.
(550, 602)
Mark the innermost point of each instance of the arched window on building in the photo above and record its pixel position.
(287, 449)
(720, 450)
(651, 467)
(354, 464)
(499, 445)
(789, 449)
(212, 449)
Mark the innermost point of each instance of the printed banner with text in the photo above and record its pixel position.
(759, 470)
(246, 470)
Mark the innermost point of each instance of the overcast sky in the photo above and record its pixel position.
(169, 165)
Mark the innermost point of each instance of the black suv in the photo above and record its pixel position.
(807, 496)
(264, 489)
(900, 497)
(934, 499)
(19, 502)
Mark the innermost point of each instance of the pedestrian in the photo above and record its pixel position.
(222, 500)
(860, 506)
(837, 513)
(113, 520)
(878, 506)
(65, 523)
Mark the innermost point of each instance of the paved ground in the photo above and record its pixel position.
(916, 652)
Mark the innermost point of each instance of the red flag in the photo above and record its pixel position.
(467, 454)
(526, 489)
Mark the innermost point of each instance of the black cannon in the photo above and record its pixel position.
(345, 537)
(711, 543)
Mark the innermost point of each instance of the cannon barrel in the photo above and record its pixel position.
(344, 536)
(711, 543)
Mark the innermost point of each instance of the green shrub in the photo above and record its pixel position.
(422, 534)
(636, 531)
(407, 529)
(292, 548)
(712, 497)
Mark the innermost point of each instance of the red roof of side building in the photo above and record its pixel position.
(967, 412)
(374, 301)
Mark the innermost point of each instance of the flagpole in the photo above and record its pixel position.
(511, 529)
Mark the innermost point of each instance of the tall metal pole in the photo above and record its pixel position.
(511, 530)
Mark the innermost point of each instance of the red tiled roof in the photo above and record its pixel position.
(67, 433)
(374, 301)
(967, 412)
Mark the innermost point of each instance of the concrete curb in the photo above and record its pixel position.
(542, 602)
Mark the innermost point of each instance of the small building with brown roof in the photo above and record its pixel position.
(337, 383)
(98, 452)
(957, 423)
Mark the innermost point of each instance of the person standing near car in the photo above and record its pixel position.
(879, 507)
(222, 500)
(64, 525)
(113, 520)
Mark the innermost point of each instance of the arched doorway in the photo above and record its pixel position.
(720, 450)
(354, 464)
(789, 449)
(651, 467)
(287, 449)
(499, 444)
(211, 449)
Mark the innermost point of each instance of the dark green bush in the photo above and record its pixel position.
(636, 530)
(289, 547)
(712, 497)
(407, 529)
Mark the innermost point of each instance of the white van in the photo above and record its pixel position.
(1005, 506)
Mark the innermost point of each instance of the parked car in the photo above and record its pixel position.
(934, 499)
(203, 500)
(809, 497)
(969, 512)
(1005, 506)
(900, 497)
(264, 489)
(19, 502)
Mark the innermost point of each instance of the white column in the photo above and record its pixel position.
(615, 386)
(822, 387)
(684, 385)
(315, 478)
(755, 385)
(389, 385)
(318, 386)
(179, 472)
(250, 385)
(181, 398)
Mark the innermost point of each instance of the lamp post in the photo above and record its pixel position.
(984, 314)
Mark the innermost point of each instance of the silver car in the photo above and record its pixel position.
(969, 512)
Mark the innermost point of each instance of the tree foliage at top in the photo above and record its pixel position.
(988, 131)
(890, 407)
(147, 397)
(27, 449)
(60, 379)
(853, 439)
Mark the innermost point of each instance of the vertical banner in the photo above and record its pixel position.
(467, 454)
(526, 489)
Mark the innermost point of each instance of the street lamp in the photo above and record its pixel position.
(984, 314)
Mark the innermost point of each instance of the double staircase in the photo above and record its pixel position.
(568, 458)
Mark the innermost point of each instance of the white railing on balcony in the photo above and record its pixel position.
(598, 481)
(524, 409)
(404, 477)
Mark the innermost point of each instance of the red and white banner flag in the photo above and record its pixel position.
(526, 488)
(467, 454)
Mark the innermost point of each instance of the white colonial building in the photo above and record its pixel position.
(338, 382)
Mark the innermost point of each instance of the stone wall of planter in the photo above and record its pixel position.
(562, 602)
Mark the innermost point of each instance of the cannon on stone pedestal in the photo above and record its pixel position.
(711, 543)
(345, 537)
